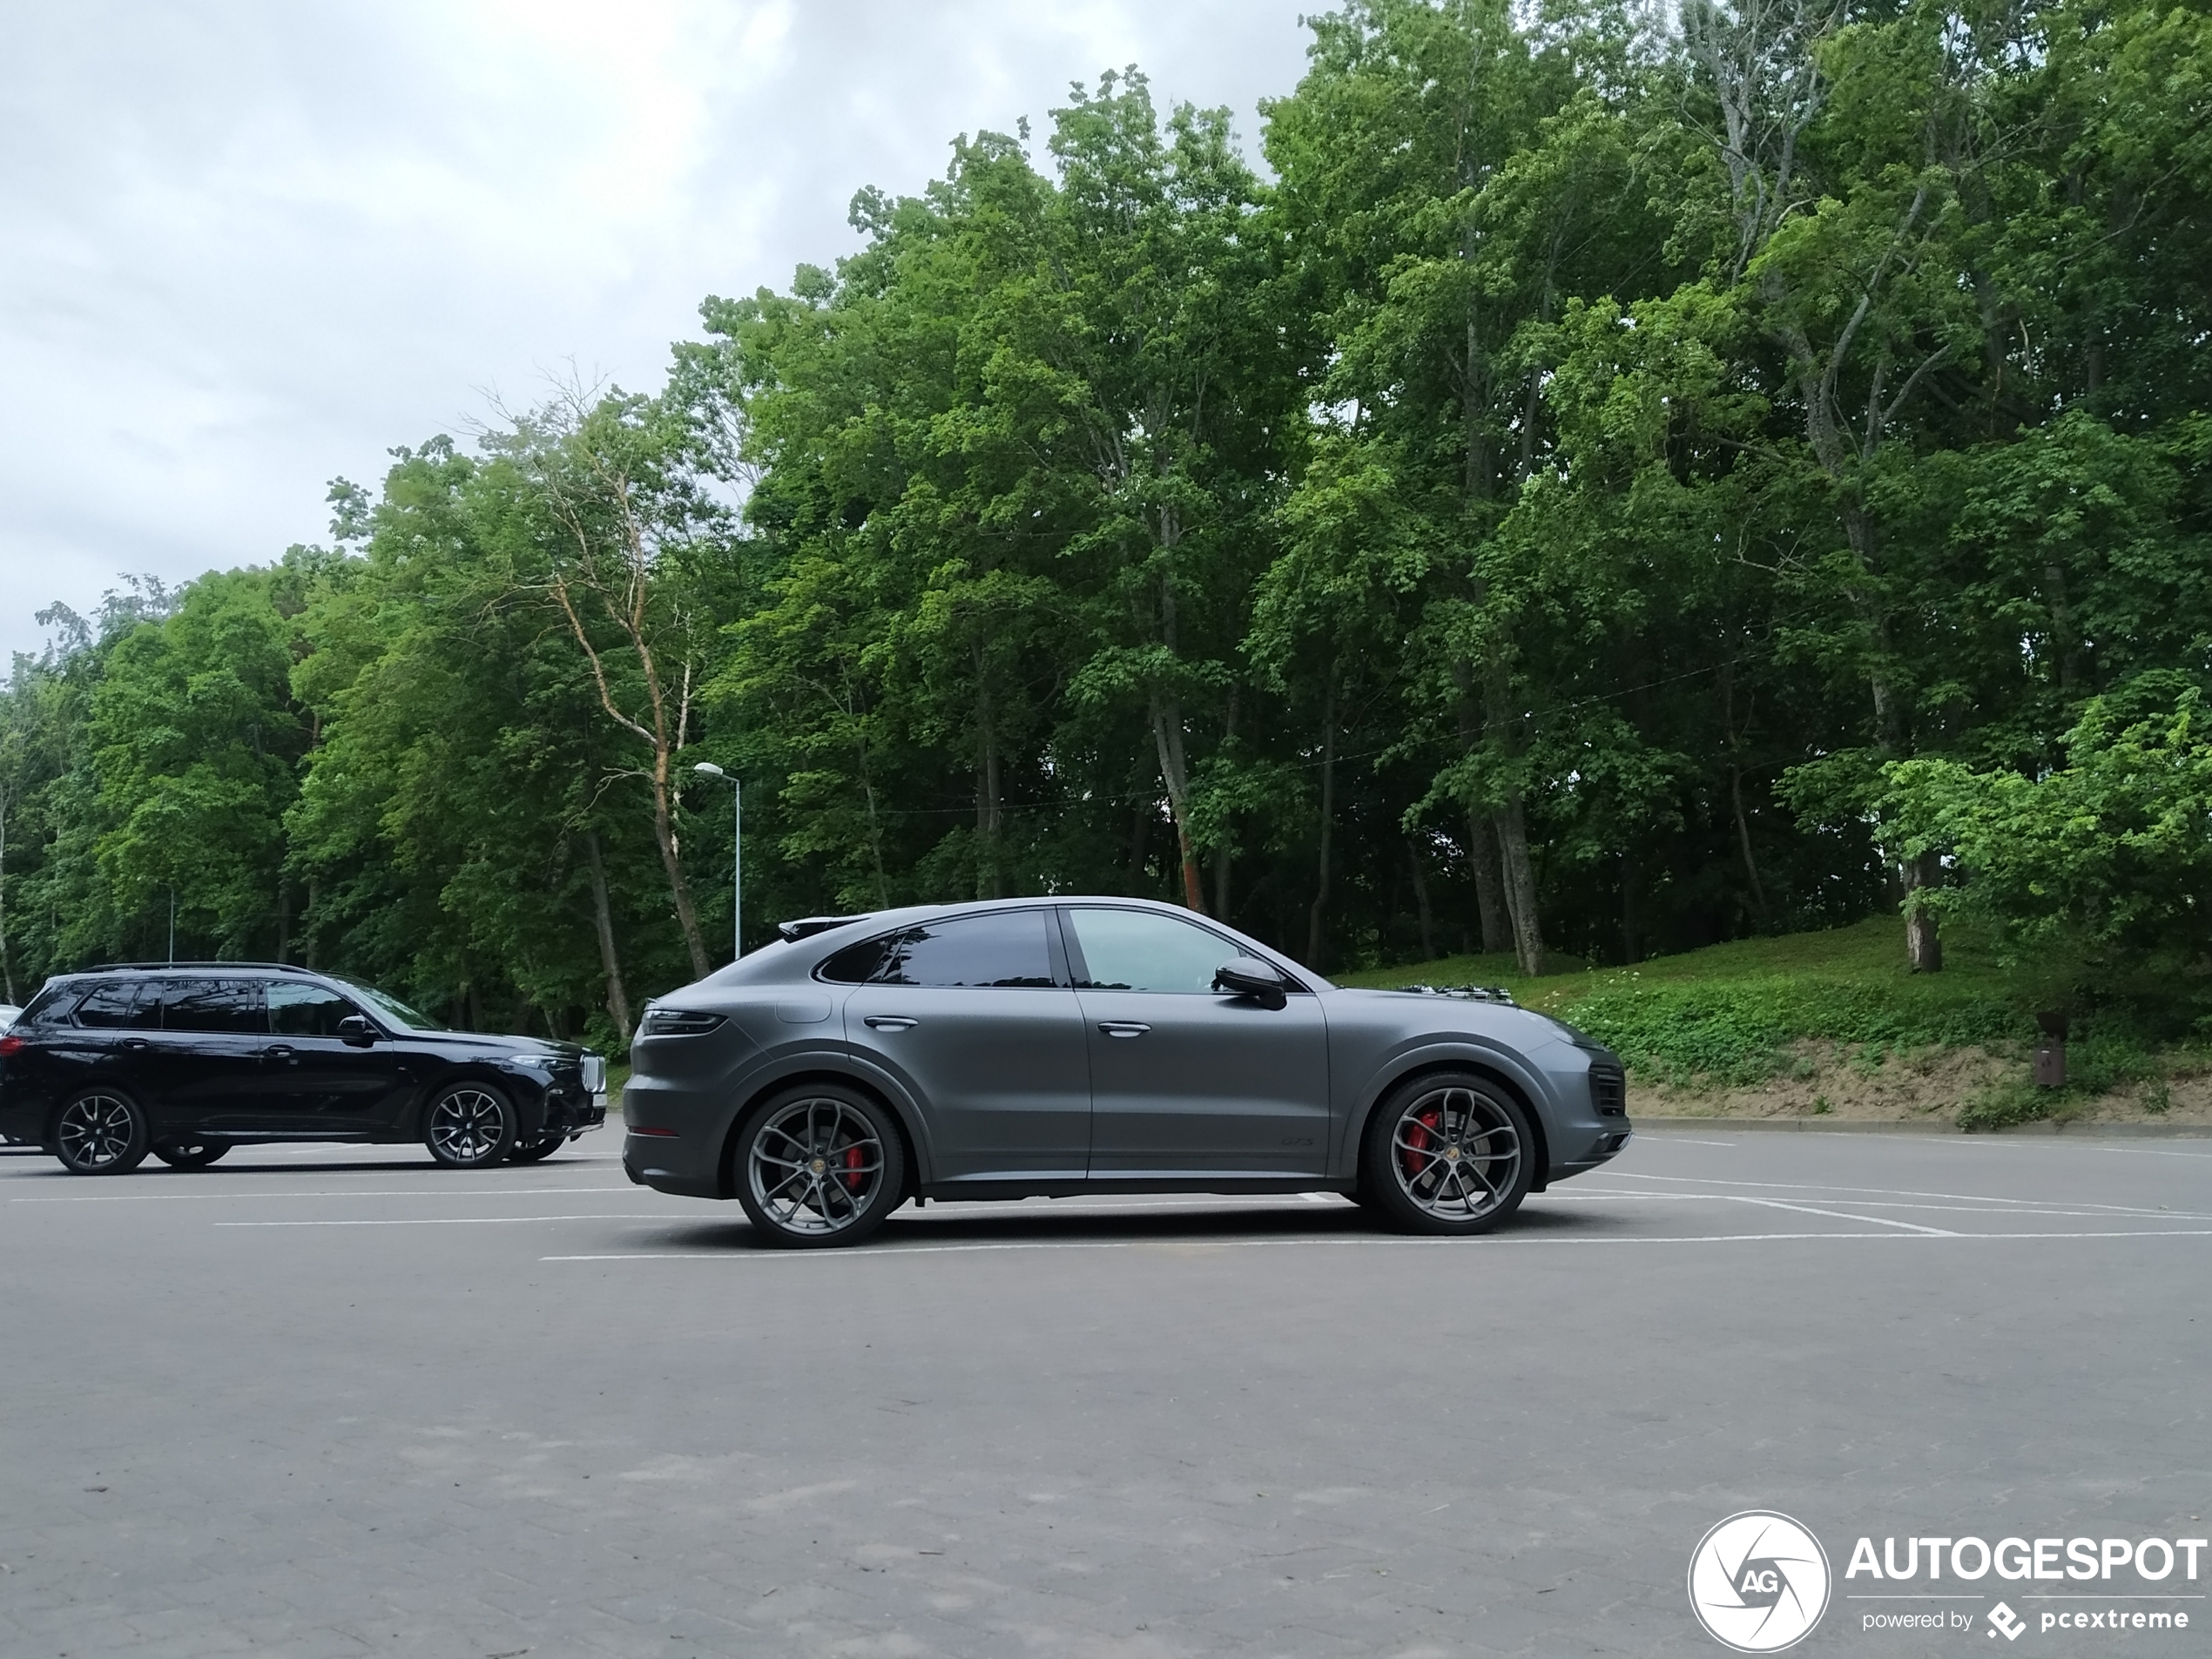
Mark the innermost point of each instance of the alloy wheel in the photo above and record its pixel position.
(815, 1166)
(96, 1132)
(468, 1126)
(1454, 1154)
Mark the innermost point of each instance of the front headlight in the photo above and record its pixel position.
(535, 1061)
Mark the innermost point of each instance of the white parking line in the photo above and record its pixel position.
(447, 1221)
(1876, 1192)
(2012, 1207)
(1838, 1215)
(295, 1192)
(882, 1251)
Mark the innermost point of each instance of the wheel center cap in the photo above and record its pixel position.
(1450, 1155)
(821, 1165)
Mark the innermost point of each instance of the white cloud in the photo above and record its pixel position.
(251, 246)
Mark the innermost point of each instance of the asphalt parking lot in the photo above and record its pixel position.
(330, 1401)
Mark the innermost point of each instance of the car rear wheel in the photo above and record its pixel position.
(1450, 1153)
(189, 1154)
(101, 1132)
(818, 1165)
(536, 1151)
(468, 1126)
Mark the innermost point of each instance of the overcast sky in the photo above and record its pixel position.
(247, 245)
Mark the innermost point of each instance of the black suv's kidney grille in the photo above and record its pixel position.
(1609, 1090)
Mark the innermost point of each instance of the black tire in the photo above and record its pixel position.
(469, 1125)
(538, 1151)
(101, 1131)
(1447, 1154)
(818, 1165)
(189, 1154)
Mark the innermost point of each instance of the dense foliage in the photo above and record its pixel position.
(1602, 490)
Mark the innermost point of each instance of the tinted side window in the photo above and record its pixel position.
(224, 1005)
(302, 1010)
(857, 964)
(1135, 950)
(1005, 948)
(115, 1005)
(49, 1006)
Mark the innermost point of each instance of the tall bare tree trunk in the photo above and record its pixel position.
(1316, 917)
(602, 918)
(1420, 901)
(990, 878)
(7, 969)
(1521, 887)
(1167, 737)
(1489, 894)
(671, 860)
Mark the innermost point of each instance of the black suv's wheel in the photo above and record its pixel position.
(468, 1126)
(1447, 1153)
(821, 1165)
(189, 1154)
(536, 1151)
(102, 1131)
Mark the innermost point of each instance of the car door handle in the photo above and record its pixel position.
(890, 1022)
(280, 1054)
(136, 1043)
(1123, 1027)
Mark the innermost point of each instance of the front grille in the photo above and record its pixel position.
(1609, 1090)
(595, 1074)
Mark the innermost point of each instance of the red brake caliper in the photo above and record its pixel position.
(853, 1174)
(1416, 1140)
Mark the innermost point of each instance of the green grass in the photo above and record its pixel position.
(1730, 1015)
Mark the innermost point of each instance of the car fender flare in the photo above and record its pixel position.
(828, 1065)
(1502, 1066)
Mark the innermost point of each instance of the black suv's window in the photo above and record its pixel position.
(49, 1006)
(220, 1005)
(298, 1009)
(999, 947)
(117, 1004)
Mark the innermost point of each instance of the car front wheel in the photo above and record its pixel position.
(468, 1126)
(818, 1165)
(538, 1151)
(101, 1132)
(1450, 1153)
(189, 1154)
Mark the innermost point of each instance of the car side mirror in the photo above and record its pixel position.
(356, 1029)
(1243, 976)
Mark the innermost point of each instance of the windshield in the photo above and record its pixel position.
(388, 1006)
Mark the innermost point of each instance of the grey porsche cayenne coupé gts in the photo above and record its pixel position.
(1050, 1047)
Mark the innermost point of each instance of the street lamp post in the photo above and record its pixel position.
(708, 769)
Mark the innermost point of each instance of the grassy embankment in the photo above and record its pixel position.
(1831, 1023)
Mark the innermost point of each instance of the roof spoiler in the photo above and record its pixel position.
(806, 926)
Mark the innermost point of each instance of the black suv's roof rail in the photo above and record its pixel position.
(155, 967)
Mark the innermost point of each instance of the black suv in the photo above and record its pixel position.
(188, 1060)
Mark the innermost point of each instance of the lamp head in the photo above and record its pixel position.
(709, 769)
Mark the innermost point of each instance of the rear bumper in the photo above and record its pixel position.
(667, 1164)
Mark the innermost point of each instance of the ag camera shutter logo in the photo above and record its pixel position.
(1758, 1582)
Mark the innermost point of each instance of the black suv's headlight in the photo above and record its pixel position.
(679, 1023)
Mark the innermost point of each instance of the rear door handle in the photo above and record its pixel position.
(890, 1022)
(280, 1053)
(136, 1043)
(1123, 1027)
